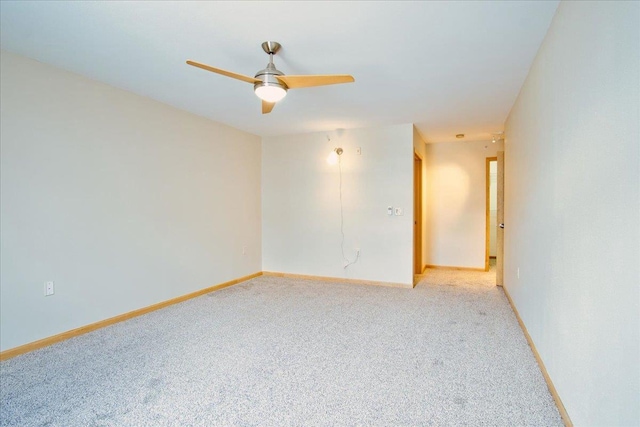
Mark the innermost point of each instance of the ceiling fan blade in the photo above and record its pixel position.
(224, 72)
(294, 82)
(267, 107)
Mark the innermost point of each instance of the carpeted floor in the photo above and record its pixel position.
(278, 352)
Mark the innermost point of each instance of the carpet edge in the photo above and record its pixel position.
(44, 342)
(339, 279)
(552, 389)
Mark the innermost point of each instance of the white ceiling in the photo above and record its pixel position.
(449, 67)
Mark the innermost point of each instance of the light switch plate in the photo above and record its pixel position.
(48, 289)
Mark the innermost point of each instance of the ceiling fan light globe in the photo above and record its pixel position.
(270, 93)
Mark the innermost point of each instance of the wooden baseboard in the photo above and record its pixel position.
(552, 389)
(453, 267)
(338, 279)
(13, 352)
(16, 351)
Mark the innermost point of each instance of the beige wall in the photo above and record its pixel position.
(120, 200)
(301, 204)
(456, 202)
(573, 209)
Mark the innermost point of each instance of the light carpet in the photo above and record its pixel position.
(278, 352)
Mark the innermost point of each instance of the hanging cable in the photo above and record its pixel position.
(346, 260)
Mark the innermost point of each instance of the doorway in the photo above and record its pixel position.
(500, 220)
(494, 247)
(417, 213)
(491, 212)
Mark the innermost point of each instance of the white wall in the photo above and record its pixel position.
(419, 147)
(301, 205)
(573, 209)
(456, 202)
(122, 201)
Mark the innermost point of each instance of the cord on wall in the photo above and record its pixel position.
(346, 260)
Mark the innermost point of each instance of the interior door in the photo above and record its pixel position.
(500, 221)
(417, 214)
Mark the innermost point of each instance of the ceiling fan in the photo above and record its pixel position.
(271, 84)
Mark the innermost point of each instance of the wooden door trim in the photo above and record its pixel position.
(417, 213)
(487, 211)
(500, 220)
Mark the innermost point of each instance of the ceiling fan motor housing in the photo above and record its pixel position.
(267, 77)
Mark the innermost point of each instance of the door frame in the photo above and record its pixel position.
(487, 210)
(500, 220)
(417, 213)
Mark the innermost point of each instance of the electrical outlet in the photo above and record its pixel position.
(48, 289)
(518, 272)
(399, 212)
(389, 210)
